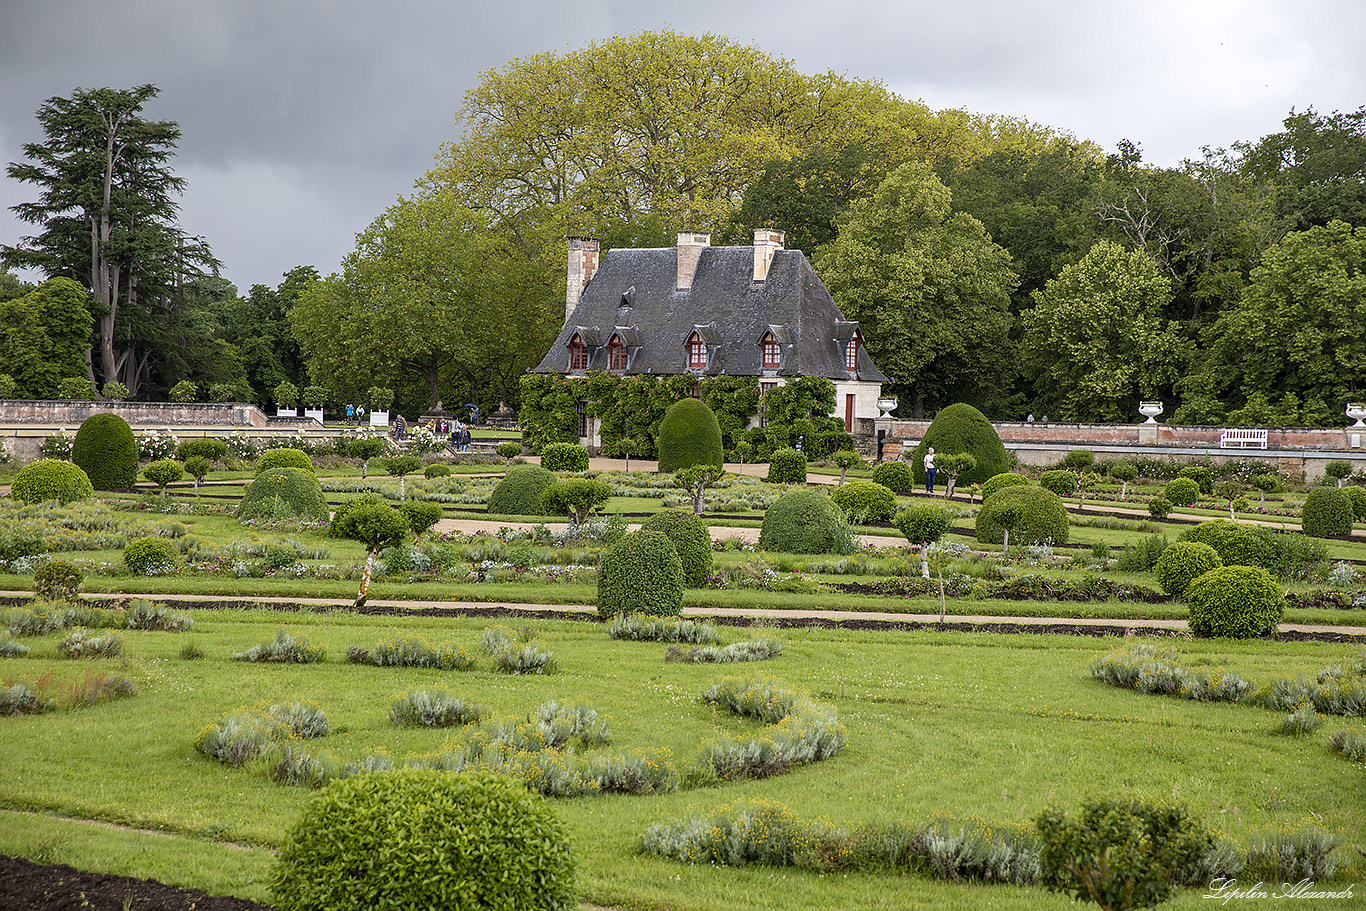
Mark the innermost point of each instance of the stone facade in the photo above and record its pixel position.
(66, 413)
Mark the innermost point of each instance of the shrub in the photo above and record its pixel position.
(284, 458)
(865, 501)
(434, 709)
(1078, 460)
(519, 493)
(57, 580)
(1181, 491)
(424, 838)
(283, 493)
(436, 471)
(640, 628)
(575, 497)
(1202, 476)
(151, 556)
(690, 539)
(642, 574)
(108, 452)
(1032, 515)
(76, 389)
(1062, 483)
(895, 476)
(1236, 544)
(51, 479)
(805, 522)
(1182, 563)
(1000, 481)
(962, 428)
(144, 614)
(690, 435)
(1234, 602)
(283, 649)
(509, 451)
(564, 457)
(81, 644)
(369, 498)
(421, 515)
(1159, 507)
(786, 466)
(164, 472)
(923, 524)
(1327, 513)
(1337, 469)
(204, 447)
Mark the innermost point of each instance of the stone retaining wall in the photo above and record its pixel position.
(67, 413)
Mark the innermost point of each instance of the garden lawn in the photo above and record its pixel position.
(940, 724)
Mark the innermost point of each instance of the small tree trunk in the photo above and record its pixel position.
(1005, 542)
(365, 578)
(1124, 490)
(697, 500)
(402, 489)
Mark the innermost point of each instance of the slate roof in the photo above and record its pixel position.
(634, 295)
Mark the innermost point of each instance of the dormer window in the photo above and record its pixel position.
(772, 352)
(697, 352)
(851, 355)
(616, 355)
(578, 355)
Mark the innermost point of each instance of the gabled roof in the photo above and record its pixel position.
(731, 312)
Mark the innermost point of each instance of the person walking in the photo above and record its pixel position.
(929, 470)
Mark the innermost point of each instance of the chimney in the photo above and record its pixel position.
(690, 244)
(766, 242)
(583, 262)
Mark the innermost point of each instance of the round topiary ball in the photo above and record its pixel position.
(962, 428)
(284, 458)
(368, 498)
(1201, 475)
(151, 556)
(805, 522)
(1327, 513)
(1062, 483)
(1159, 506)
(424, 838)
(1236, 544)
(1182, 491)
(1001, 481)
(1234, 602)
(895, 476)
(283, 493)
(924, 524)
(1033, 515)
(690, 435)
(786, 466)
(1181, 563)
(519, 493)
(690, 538)
(107, 451)
(642, 574)
(865, 501)
(51, 479)
(564, 457)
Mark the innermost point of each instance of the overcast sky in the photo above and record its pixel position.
(302, 120)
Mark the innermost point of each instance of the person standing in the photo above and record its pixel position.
(929, 470)
(350, 414)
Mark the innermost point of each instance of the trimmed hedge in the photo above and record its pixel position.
(962, 428)
(1001, 481)
(1182, 491)
(642, 574)
(805, 522)
(924, 524)
(107, 451)
(865, 501)
(284, 458)
(690, 538)
(1035, 516)
(564, 457)
(425, 838)
(519, 493)
(1063, 483)
(1357, 494)
(51, 479)
(1327, 513)
(1182, 563)
(1234, 602)
(690, 435)
(786, 466)
(895, 476)
(283, 493)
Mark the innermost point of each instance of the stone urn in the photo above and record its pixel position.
(1150, 410)
(886, 406)
(1357, 412)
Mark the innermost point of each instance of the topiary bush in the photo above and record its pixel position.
(1001, 481)
(895, 476)
(284, 458)
(642, 574)
(283, 493)
(57, 580)
(1078, 460)
(690, 435)
(519, 493)
(564, 457)
(1063, 483)
(865, 501)
(164, 472)
(575, 497)
(1234, 602)
(691, 540)
(1181, 491)
(204, 447)
(962, 428)
(1357, 494)
(107, 451)
(1236, 544)
(1159, 507)
(1202, 476)
(368, 498)
(51, 479)
(1327, 513)
(1033, 515)
(1182, 563)
(923, 524)
(151, 556)
(786, 466)
(425, 838)
(805, 522)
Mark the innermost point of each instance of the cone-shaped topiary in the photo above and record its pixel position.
(425, 838)
(641, 575)
(962, 428)
(1327, 513)
(283, 493)
(519, 493)
(690, 538)
(805, 522)
(1032, 515)
(1234, 602)
(107, 451)
(1182, 563)
(51, 479)
(689, 435)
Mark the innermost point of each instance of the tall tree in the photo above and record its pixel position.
(258, 326)
(44, 337)
(1319, 163)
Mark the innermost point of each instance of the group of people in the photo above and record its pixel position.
(355, 414)
(458, 438)
(929, 468)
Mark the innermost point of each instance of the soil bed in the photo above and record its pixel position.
(35, 887)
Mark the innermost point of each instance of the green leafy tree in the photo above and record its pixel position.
(577, 497)
(1316, 163)
(257, 325)
(400, 467)
(165, 472)
(376, 527)
(184, 391)
(421, 516)
(363, 449)
(44, 337)
(952, 465)
(695, 480)
(928, 286)
(198, 467)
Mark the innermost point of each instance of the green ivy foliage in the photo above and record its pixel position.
(283, 493)
(805, 522)
(1034, 515)
(642, 574)
(690, 538)
(689, 435)
(106, 449)
(865, 501)
(1182, 563)
(1234, 602)
(519, 493)
(1328, 513)
(51, 479)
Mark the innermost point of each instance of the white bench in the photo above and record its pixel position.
(1242, 438)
